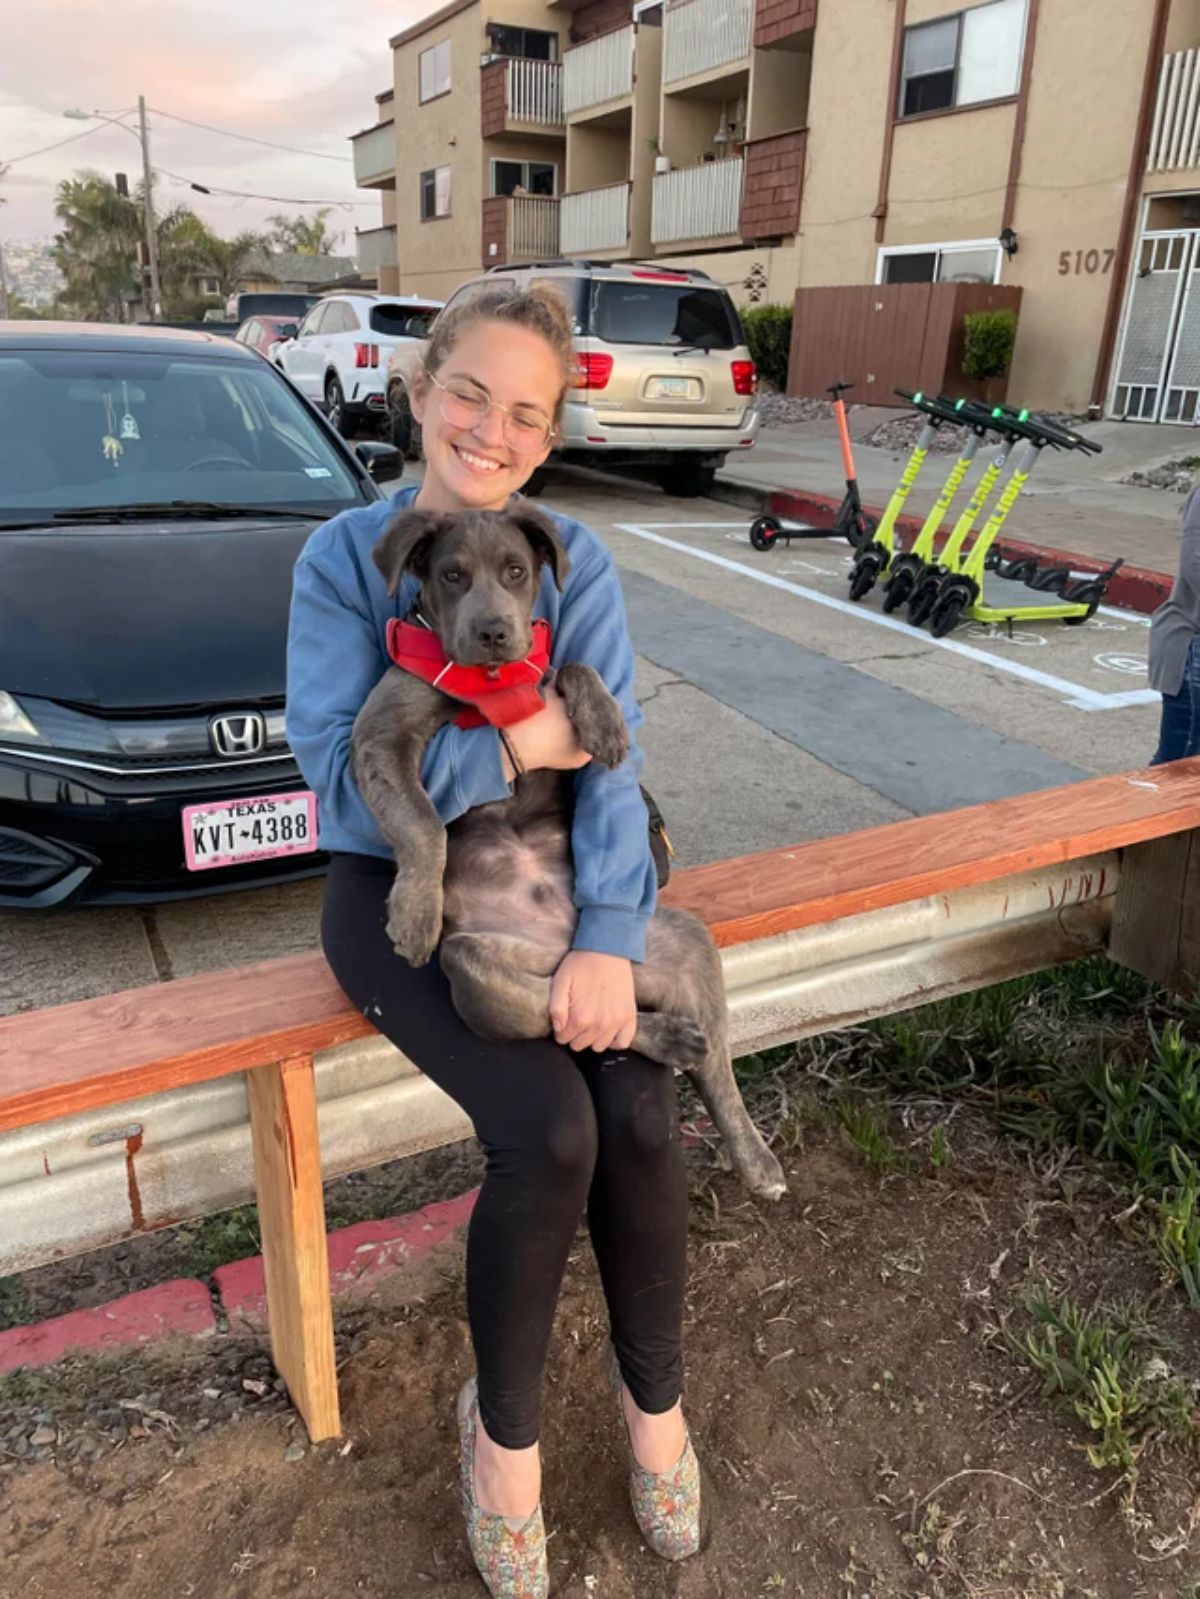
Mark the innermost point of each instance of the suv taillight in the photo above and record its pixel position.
(594, 369)
(745, 377)
(366, 355)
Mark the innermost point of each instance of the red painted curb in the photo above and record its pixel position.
(183, 1306)
(358, 1256)
(1136, 588)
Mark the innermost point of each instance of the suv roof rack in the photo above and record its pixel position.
(614, 266)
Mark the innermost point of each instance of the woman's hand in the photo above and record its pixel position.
(547, 739)
(592, 1004)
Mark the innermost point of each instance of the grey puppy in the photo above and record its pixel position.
(507, 865)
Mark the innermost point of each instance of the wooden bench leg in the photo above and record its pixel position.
(1156, 920)
(291, 1213)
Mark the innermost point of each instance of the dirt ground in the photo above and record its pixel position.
(864, 1430)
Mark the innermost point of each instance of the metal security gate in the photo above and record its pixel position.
(1158, 364)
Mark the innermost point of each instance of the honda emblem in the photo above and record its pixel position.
(244, 734)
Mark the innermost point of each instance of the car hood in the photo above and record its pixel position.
(148, 615)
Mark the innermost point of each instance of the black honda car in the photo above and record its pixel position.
(155, 490)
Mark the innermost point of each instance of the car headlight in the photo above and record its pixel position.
(13, 721)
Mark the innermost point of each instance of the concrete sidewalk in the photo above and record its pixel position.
(1074, 502)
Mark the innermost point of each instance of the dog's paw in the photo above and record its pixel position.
(414, 925)
(674, 1040)
(599, 723)
(608, 745)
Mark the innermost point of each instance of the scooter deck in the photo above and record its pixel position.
(1000, 602)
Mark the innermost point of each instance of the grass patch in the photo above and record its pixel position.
(15, 1308)
(220, 1240)
(1108, 1366)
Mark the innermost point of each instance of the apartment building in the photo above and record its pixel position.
(1051, 146)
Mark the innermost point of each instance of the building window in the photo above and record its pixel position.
(210, 286)
(974, 262)
(524, 177)
(434, 67)
(963, 59)
(528, 42)
(435, 193)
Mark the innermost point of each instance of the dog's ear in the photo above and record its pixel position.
(405, 545)
(544, 540)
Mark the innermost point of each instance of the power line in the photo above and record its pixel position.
(70, 139)
(244, 194)
(248, 138)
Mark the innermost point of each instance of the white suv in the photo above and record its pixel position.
(339, 356)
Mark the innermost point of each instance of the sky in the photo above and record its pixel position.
(295, 72)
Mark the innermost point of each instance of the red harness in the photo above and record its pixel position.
(500, 695)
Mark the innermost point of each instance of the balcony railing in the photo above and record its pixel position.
(533, 92)
(375, 155)
(532, 228)
(697, 202)
(700, 35)
(595, 219)
(1175, 136)
(375, 248)
(598, 71)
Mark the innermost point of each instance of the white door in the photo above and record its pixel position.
(1158, 362)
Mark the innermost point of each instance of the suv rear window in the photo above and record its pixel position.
(663, 313)
(402, 321)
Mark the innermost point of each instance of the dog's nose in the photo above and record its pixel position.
(493, 634)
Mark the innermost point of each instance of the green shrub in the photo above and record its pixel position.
(769, 335)
(990, 336)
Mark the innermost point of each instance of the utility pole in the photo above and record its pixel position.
(151, 234)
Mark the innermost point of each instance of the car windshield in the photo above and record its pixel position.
(83, 428)
(663, 313)
(402, 321)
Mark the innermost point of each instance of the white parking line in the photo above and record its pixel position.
(1077, 695)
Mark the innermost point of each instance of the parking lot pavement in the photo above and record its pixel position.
(775, 712)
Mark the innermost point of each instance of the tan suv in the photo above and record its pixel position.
(666, 382)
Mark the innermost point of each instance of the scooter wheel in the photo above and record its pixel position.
(920, 607)
(1050, 579)
(1089, 594)
(864, 576)
(898, 589)
(764, 533)
(946, 613)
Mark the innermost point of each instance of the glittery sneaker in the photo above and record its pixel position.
(512, 1562)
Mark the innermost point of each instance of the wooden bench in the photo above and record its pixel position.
(269, 1020)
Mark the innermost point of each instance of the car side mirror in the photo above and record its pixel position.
(288, 331)
(382, 461)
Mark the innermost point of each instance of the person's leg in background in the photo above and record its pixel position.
(1179, 731)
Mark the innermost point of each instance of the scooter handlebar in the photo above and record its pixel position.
(940, 407)
(837, 389)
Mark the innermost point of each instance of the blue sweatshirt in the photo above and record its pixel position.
(337, 653)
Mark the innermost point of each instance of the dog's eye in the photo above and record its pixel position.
(515, 573)
(452, 575)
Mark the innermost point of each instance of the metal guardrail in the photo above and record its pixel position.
(600, 70)
(701, 202)
(533, 91)
(699, 35)
(1175, 133)
(595, 219)
(96, 1178)
(374, 154)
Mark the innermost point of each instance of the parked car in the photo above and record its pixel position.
(267, 334)
(155, 490)
(666, 381)
(268, 302)
(340, 354)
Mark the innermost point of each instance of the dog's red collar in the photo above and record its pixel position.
(500, 695)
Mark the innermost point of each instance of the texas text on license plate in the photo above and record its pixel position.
(249, 830)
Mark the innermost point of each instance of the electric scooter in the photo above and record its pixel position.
(962, 593)
(875, 558)
(906, 570)
(851, 522)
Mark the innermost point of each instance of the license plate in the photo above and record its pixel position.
(259, 829)
(674, 389)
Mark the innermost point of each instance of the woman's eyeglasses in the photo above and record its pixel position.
(526, 429)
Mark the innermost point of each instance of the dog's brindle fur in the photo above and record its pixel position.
(507, 865)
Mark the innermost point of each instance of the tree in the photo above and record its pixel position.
(305, 235)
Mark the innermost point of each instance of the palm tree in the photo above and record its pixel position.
(305, 235)
(96, 251)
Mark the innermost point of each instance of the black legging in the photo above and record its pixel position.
(558, 1129)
